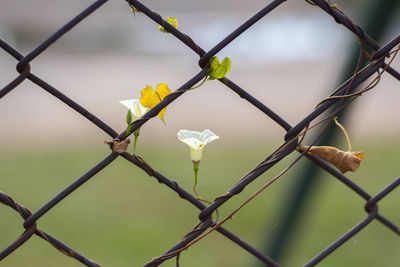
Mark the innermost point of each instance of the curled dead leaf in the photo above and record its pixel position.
(117, 145)
(344, 161)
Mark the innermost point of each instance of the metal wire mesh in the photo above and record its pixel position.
(379, 64)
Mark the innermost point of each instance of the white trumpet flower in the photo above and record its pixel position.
(135, 107)
(196, 141)
(135, 112)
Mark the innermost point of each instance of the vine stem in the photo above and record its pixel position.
(345, 133)
(196, 170)
(136, 134)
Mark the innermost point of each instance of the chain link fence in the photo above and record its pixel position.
(377, 67)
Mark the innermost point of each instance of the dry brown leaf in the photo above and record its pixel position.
(117, 145)
(344, 161)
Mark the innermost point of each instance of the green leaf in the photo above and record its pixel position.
(219, 70)
(171, 20)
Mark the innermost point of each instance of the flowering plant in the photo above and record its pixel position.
(196, 142)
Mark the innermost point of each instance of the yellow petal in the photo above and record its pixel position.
(161, 114)
(149, 98)
(162, 90)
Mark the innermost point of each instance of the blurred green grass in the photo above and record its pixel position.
(122, 217)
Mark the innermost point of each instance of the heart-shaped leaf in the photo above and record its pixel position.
(219, 70)
(171, 20)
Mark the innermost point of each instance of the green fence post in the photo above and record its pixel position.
(377, 16)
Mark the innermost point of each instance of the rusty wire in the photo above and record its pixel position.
(379, 64)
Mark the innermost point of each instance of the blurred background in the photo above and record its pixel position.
(290, 60)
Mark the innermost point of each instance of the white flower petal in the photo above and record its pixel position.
(135, 107)
(207, 136)
(190, 138)
(189, 134)
(193, 143)
(128, 103)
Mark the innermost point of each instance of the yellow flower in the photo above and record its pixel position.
(151, 98)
